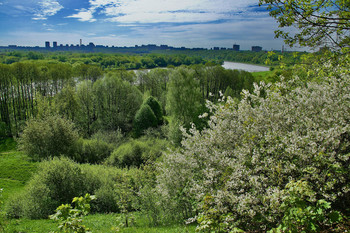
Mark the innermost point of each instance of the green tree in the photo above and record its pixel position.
(116, 103)
(48, 137)
(184, 102)
(66, 102)
(156, 108)
(86, 110)
(144, 119)
(318, 22)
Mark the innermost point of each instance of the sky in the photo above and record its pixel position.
(189, 23)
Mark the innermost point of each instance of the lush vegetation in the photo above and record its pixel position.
(220, 150)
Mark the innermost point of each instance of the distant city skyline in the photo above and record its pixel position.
(195, 23)
(91, 47)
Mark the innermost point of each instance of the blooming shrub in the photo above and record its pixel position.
(281, 133)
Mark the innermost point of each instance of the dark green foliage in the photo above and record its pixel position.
(137, 152)
(144, 119)
(7, 144)
(156, 108)
(93, 151)
(49, 137)
(229, 92)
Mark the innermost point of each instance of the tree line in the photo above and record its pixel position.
(109, 100)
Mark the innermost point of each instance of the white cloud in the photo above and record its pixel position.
(171, 11)
(84, 15)
(47, 8)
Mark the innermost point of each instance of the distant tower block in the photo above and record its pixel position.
(81, 42)
(47, 44)
(236, 47)
(54, 44)
(256, 48)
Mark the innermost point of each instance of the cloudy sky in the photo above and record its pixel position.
(190, 23)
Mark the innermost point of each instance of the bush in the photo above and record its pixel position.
(56, 182)
(137, 152)
(49, 137)
(60, 180)
(93, 151)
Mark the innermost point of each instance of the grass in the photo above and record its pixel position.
(262, 75)
(106, 223)
(15, 168)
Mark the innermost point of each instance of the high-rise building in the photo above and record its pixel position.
(256, 48)
(236, 47)
(54, 44)
(47, 44)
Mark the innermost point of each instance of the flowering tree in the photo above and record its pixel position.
(237, 171)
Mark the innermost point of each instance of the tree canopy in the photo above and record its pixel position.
(318, 22)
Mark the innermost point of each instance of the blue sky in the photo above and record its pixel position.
(190, 23)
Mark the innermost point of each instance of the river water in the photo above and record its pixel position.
(243, 66)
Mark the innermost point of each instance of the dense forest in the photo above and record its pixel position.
(154, 141)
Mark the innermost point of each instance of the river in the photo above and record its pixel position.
(243, 66)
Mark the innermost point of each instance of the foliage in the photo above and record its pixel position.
(156, 108)
(92, 151)
(56, 182)
(85, 113)
(59, 180)
(252, 149)
(66, 102)
(69, 218)
(7, 144)
(49, 137)
(302, 213)
(318, 22)
(184, 102)
(117, 102)
(112, 137)
(144, 119)
(137, 152)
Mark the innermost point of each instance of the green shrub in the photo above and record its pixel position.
(48, 137)
(60, 180)
(56, 182)
(93, 151)
(137, 152)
